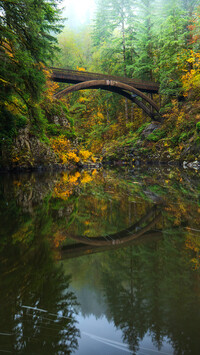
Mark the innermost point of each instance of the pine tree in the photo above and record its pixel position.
(145, 43)
(26, 41)
(171, 32)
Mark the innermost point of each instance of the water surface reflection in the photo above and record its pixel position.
(129, 244)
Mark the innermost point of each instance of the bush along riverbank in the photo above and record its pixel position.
(175, 141)
(55, 146)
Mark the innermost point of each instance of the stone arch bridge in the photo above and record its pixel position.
(139, 92)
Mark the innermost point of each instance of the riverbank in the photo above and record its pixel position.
(174, 141)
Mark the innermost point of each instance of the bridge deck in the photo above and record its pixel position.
(76, 76)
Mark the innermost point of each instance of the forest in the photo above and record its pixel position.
(150, 40)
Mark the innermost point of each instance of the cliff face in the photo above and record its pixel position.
(29, 152)
(31, 148)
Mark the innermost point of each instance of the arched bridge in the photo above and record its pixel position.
(135, 90)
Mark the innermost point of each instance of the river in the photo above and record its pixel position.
(101, 262)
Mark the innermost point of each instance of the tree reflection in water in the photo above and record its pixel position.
(154, 290)
(37, 309)
(150, 287)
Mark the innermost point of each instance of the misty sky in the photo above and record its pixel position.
(78, 12)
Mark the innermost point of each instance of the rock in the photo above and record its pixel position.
(149, 129)
(29, 152)
(194, 165)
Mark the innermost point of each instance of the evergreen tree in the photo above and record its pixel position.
(144, 64)
(102, 29)
(171, 32)
(27, 29)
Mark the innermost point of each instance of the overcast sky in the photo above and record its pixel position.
(78, 12)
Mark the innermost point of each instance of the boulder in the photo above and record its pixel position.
(150, 128)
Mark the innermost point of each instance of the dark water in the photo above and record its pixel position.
(100, 263)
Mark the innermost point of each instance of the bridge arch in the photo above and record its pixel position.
(120, 88)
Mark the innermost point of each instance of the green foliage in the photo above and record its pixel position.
(76, 51)
(26, 41)
(156, 135)
(7, 127)
(183, 137)
(141, 129)
(53, 129)
(198, 127)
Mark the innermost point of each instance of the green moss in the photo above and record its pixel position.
(156, 135)
(157, 189)
(141, 129)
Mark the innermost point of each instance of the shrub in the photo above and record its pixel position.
(183, 137)
(198, 126)
(156, 135)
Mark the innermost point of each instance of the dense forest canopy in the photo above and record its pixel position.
(155, 40)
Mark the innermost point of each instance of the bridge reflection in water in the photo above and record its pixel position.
(136, 233)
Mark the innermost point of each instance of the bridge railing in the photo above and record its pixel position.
(75, 76)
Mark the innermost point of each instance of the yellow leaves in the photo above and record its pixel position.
(191, 60)
(191, 79)
(63, 194)
(82, 99)
(51, 86)
(193, 243)
(66, 186)
(94, 172)
(80, 69)
(100, 117)
(15, 159)
(71, 156)
(180, 118)
(16, 183)
(93, 159)
(74, 178)
(67, 154)
(58, 239)
(62, 147)
(85, 154)
(85, 178)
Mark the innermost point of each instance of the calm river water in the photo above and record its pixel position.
(100, 263)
